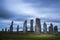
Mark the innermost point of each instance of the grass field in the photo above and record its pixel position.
(28, 36)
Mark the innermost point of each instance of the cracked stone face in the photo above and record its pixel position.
(38, 26)
(55, 29)
(25, 26)
(45, 27)
(31, 25)
(51, 28)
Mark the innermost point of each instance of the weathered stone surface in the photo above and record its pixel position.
(45, 27)
(31, 25)
(18, 28)
(38, 26)
(51, 28)
(11, 27)
(25, 26)
(55, 30)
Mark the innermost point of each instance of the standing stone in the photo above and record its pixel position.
(55, 30)
(38, 26)
(31, 25)
(18, 28)
(51, 28)
(45, 27)
(2, 30)
(25, 26)
(11, 27)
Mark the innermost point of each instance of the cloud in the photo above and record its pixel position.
(35, 8)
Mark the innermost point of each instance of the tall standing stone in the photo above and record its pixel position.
(38, 26)
(2, 30)
(18, 28)
(11, 27)
(55, 30)
(25, 26)
(45, 27)
(51, 28)
(31, 25)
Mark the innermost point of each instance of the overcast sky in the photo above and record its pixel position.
(20, 10)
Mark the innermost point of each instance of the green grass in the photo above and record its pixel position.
(28, 36)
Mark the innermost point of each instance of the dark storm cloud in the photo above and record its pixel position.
(51, 20)
(13, 16)
(50, 4)
(44, 3)
(6, 14)
(21, 17)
